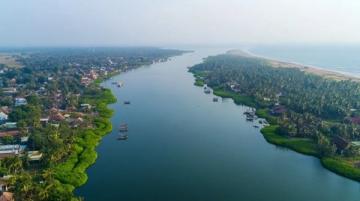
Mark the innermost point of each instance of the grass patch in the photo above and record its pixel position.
(264, 113)
(238, 99)
(342, 167)
(199, 82)
(301, 145)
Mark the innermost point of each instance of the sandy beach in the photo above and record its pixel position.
(308, 69)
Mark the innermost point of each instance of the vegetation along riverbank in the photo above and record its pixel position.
(54, 113)
(310, 113)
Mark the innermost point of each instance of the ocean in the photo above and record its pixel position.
(339, 58)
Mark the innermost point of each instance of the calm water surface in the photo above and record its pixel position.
(184, 147)
(341, 58)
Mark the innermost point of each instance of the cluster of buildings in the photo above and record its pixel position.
(56, 116)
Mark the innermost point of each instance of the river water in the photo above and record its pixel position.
(184, 147)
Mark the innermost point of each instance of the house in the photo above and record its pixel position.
(20, 101)
(44, 121)
(3, 117)
(24, 140)
(57, 117)
(9, 91)
(353, 120)
(85, 106)
(7, 196)
(340, 143)
(12, 133)
(34, 155)
(10, 150)
(234, 87)
(5, 109)
(3, 186)
(278, 110)
(9, 125)
(4, 183)
(355, 143)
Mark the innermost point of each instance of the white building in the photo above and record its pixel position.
(3, 116)
(20, 101)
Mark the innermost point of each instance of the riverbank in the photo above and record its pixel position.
(339, 165)
(72, 173)
(305, 68)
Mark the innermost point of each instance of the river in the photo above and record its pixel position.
(184, 147)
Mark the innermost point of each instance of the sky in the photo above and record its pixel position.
(177, 22)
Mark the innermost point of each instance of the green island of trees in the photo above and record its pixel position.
(307, 113)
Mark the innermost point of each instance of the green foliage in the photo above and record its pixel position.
(72, 171)
(301, 145)
(199, 82)
(27, 113)
(315, 107)
(238, 99)
(342, 167)
(301, 92)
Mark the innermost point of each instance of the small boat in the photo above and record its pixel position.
(215, 99)
(114, 83)
(120, 84)
(260, 121)
(249, 119)
(123, 125)
(207, 91)
(121, 130)
(250, 113)
(127, 102)
(256, 126)
(122, 137)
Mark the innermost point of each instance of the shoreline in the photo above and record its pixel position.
(315, 70)
(338, 165)
(305, 146)
(103, 126)
(72, 173)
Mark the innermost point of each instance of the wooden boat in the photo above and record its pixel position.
(123, 130)
(122, 137)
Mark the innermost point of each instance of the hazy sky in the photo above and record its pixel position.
(171, 22)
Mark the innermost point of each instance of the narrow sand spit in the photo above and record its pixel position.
(308, 69)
